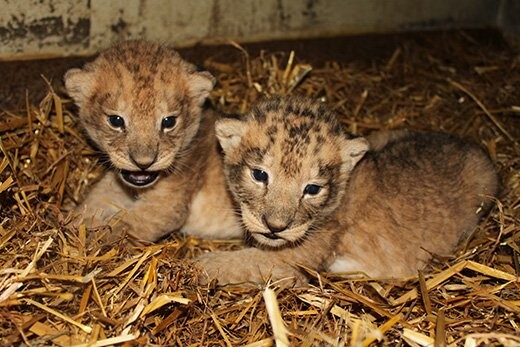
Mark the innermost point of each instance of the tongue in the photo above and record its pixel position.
(139, 178)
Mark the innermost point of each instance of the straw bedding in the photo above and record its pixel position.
(58, 289)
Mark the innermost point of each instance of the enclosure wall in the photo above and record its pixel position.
(36, 29)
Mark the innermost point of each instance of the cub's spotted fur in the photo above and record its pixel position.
(142, 105)
(313, 195)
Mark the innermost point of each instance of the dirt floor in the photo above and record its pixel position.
(55, 288)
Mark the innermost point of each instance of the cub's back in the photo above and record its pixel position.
(437, 162)
(417, 193)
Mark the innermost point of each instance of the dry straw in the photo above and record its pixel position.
(65, 286)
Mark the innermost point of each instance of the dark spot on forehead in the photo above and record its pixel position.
(299, 131)
(102, 97)
(260, 111)
(141, 59)
(272, 129)
(165, 77)
(290, 109)
(291, 166)
(271, 132)
(145, 98)
(118, 73)
(322, 109)
(178, 102)
(309, 112)
(258, 115)
(134, 68)
(182, 99)
(326, 169)
(317, 148)
(272, 105)
(255, 154)
(337, 129)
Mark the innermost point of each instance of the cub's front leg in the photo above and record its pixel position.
(159, 211)
(143, 215)
(248, 265)
(105, 203)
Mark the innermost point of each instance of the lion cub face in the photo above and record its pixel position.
(141, 104)
(287, 163)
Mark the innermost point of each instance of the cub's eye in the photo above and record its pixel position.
(311, 189)
(116, 121)
(259, 175)
(168, 123)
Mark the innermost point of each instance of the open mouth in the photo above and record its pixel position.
(139, 178)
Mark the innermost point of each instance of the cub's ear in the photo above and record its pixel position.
(354, 149)
(200, 84)
(77, 83)
(229, 133)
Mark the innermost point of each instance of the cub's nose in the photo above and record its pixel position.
(275, 226)
(143, 162)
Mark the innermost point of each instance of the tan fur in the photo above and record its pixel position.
(143, 83)
(413, 194)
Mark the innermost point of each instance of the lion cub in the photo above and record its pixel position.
(142, 105)
(311, 194)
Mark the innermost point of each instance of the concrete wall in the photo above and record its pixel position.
(509, 21)
(49, 28)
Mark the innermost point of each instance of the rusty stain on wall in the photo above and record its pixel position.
(27, 27)
(45, 28)
(40, 28)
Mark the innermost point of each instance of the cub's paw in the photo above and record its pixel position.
(220, 267)
(244, 267)
(133, 236)
(119, 233)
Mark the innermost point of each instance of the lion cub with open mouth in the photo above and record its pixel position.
(142, 105)
(311, 194)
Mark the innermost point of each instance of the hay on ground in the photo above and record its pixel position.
(57, 288)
